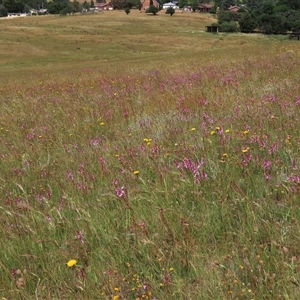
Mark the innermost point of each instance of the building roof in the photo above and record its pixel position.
(204, 5)
(102, 4)
(233, 8)
(169, 4)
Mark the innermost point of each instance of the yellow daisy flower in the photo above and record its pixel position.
(71, 263)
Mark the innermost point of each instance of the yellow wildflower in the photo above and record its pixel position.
(212, 132)
(115, 297)
(102, 123)
(227, 130)
(136, 172)
(71, 263)
(246, 132)
(193, 129)
(245, 150)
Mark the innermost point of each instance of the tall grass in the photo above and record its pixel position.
(170, 175)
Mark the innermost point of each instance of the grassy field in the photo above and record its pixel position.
(143, 158)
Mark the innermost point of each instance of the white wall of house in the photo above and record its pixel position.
(170, 4)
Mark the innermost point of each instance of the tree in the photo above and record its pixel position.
(183, 3)
(127, 10)
(170, 10)
(135, 3)
(254, 4)
(3, 11)
(292, 4)
(268, 8)
(54, 8)
(229, 27)
(273, 24)
(92, 4)
(152, 9)
(77, 6)
(13, 6)
(248, 22)
(225, 16)
(227, 3)
(86, 5)
(119, 4)
(195, 5)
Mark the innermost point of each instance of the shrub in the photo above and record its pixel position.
(225, 16)
(213, 10)
(170, 11)
(229, 27)
(152, 9)
(295, 26)
(127, 10)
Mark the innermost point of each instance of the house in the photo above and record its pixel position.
(233, 8)
(103, 6)
(170, 4)
(205, 8)
(212, 29)
(187, 9)
(146, 3)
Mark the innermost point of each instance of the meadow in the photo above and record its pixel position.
(143, 158)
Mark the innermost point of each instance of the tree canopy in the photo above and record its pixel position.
(270, 17)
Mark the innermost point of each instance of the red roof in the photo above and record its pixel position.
(100, 5)
(208, 6)
(233, 8)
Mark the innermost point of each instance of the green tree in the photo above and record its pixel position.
(194, 4)
(86, 5)
(119, 4)
(183, 3)
(77, 6)
(14, 6)
(254, 4)
(231, 26)
(273, 24)
(248, 22)
(225, 16)
(292, 4)
(92, 3)
(3, 11)
(170, 10)
(54, 8)
(57, 6)
(133, 3)
(227, 3)
(127, 10)
(268, 8)
(152, 10)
